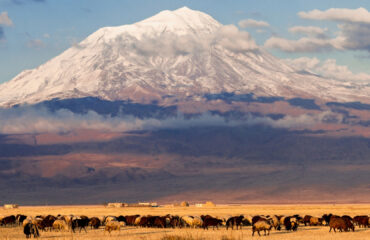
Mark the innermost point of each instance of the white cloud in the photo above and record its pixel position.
(359, 15)
(170, 44)
(39, 120)
(353, 34)
(246, 23)
(303, 63)
(309, 31)
(5, 20)
(303, 44)
(328, 69)
(234, 40)
(354, 26)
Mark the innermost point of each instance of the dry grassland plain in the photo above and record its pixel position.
(131, 233)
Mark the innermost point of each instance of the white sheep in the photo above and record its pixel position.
(261, 225)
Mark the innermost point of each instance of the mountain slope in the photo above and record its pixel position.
(179, 53)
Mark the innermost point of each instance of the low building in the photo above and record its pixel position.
(116, 205)
(148, 204)
(11, 206)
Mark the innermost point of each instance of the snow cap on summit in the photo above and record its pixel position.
(183, 19)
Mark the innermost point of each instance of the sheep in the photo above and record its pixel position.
(94, 222)
(60, 225)
(362, 221)
(337, 223)
(187, 220)
(68, 219)
(306, 219)
(109, 219)
(224, 219)
(101, 218)
(247, 220)
(80, 223)
(113, 226)
(9, 220)
(197, 222)
(282, 219)
(209, 221)
(290, 223)
(168, 219)
(314, 221)
(256, 219)
(30, 229)
(237, 221)
(20, 218)
(35, 221)
(175, 221)
(261, 225)
(137, 220)
(130, 220)
(275, 222)
(26, 221)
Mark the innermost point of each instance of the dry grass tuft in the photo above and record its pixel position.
(179, 237)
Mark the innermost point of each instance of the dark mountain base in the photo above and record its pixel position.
(223, 164)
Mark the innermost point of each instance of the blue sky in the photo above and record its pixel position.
(33, 31)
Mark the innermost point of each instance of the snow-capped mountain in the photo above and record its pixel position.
(180, 53)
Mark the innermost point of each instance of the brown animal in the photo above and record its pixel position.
(306, 220)
(314, 221)
(20, 218)
(160, 222)
(211, 222)
(349, 224)
(291, 224)
(235, 221)
(95, 222)
(10, 220)
(362, 221)
(261, 225)
(144, 222)
(121, 219)
(46, 223)
(175, 221)
(326, 218)
(342, 224)
(30, 229)
(256, 219)
(80, 223)
(130, 220)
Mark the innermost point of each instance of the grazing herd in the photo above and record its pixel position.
(32, 226)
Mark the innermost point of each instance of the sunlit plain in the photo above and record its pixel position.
(131, 233)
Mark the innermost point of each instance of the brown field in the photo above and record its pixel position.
(131, 233)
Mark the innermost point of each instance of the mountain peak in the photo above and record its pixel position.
(184, 9)
(182, 20)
